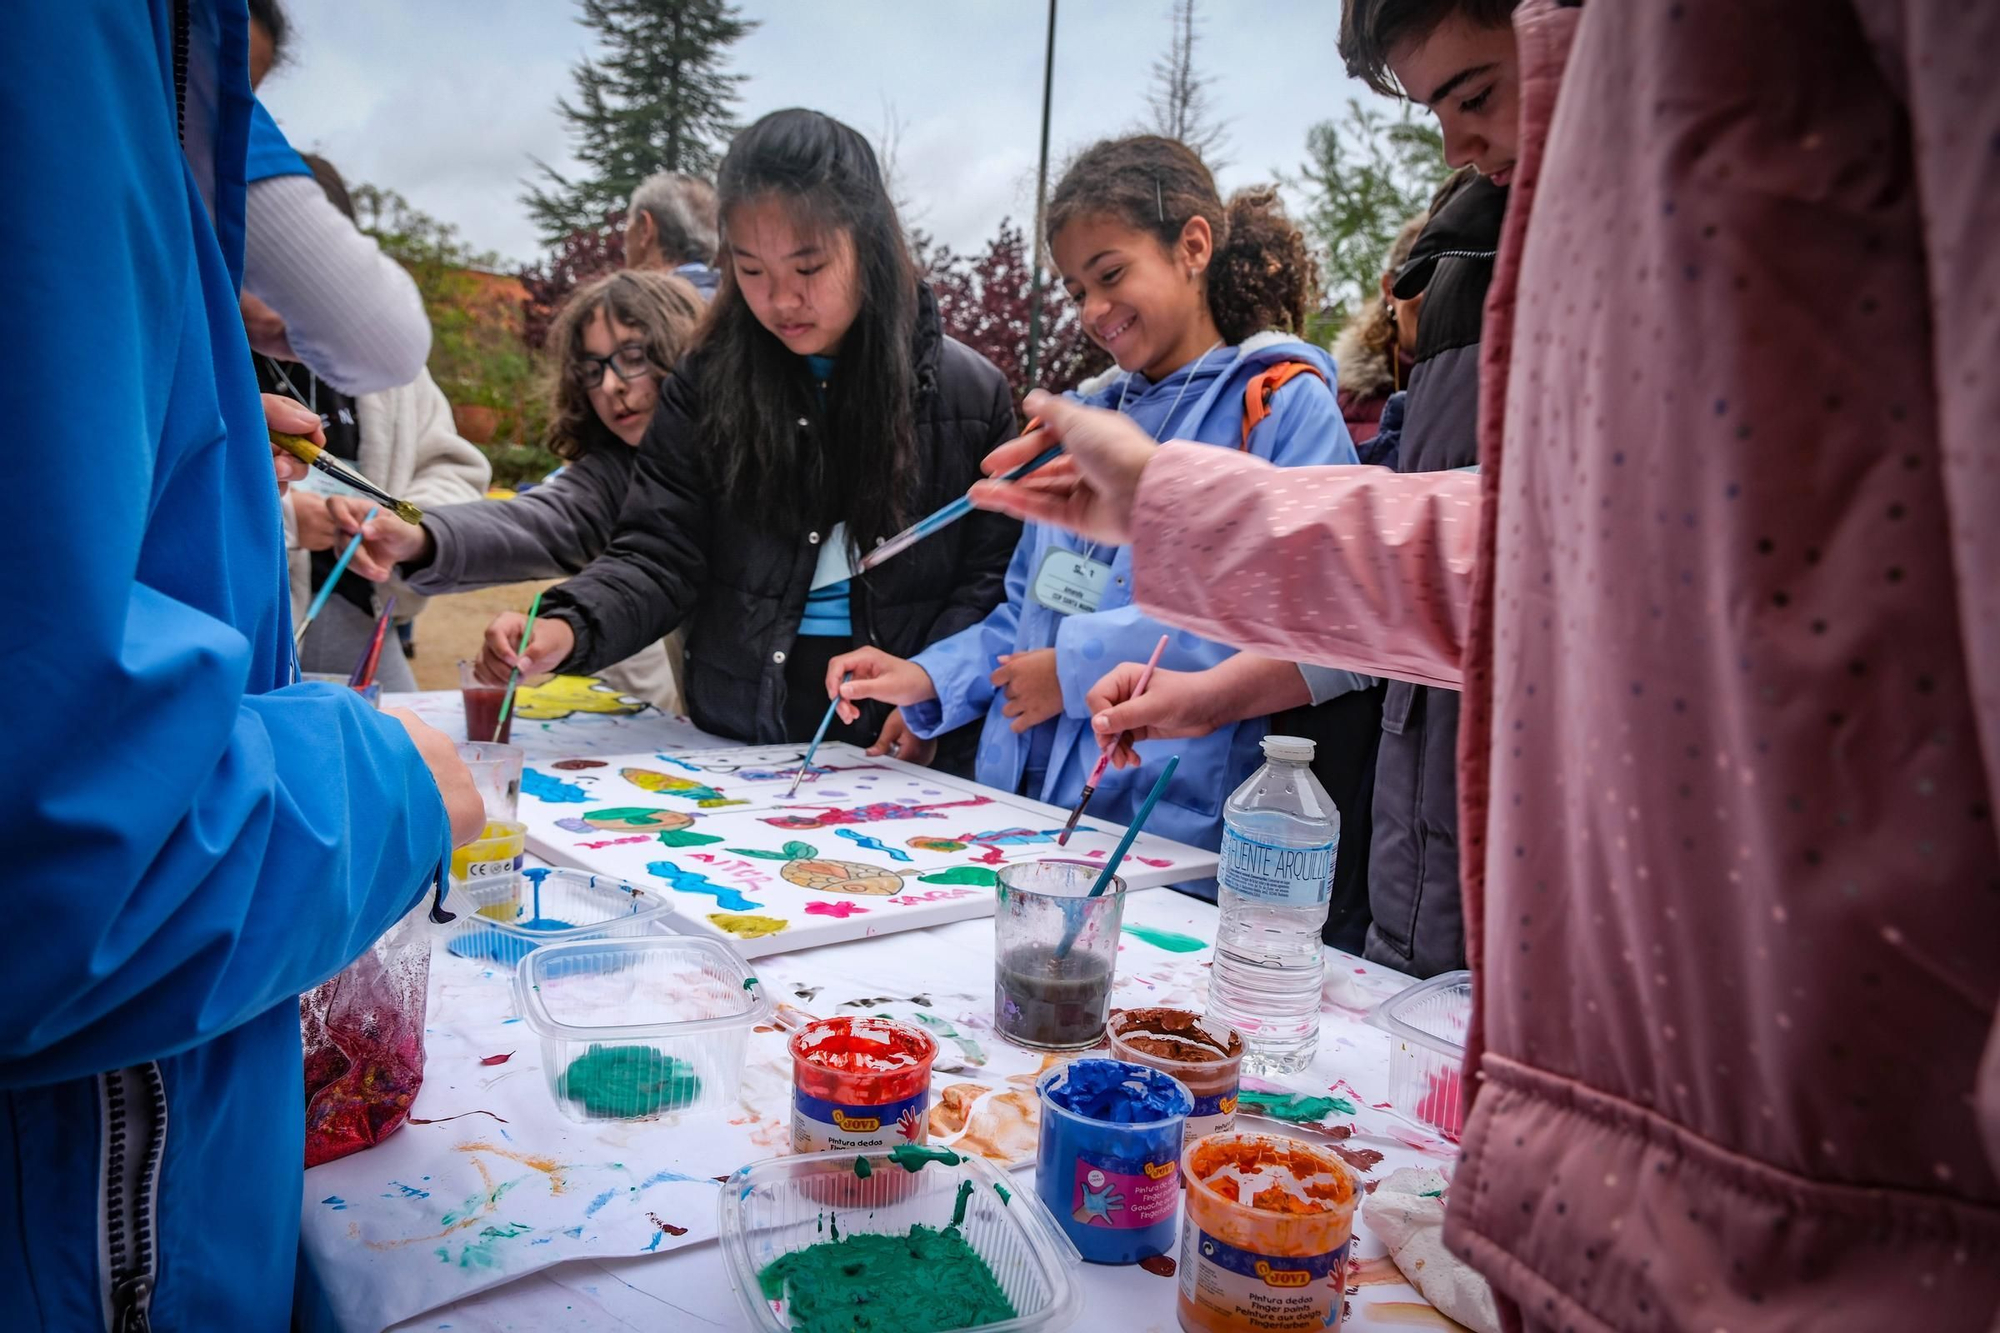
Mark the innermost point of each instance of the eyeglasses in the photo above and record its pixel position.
(628, 363)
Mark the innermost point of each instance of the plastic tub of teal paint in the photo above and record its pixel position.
(638, 1028)
(510, 918)
(1426, 1024)
(777, 1207)
(1108, 1165)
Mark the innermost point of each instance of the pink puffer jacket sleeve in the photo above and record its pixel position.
(1940, 56)
(1354, 567)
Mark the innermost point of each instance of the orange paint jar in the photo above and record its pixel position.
(1265, 1238)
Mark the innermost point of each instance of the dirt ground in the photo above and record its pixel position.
(450, 628)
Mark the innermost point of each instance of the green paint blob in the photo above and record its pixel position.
(862, 1169)
(681, 837)
(1291, 1107)
(793, 851)
(1005, 1197)
(975, 1054)
(925, 1282)
(629, 1081)
(979, 875)
(958, 1208)
(912, 1157)
(1171, 941)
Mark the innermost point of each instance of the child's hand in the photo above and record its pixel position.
(877, 675)
(1175, 704)
(554, 641)
(1033, 690)
(463, 805)
(293, 418)
(388, 540)
(899, 742)
(317, 528)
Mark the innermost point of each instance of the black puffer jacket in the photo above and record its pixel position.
(1413, 888)
(683, 553)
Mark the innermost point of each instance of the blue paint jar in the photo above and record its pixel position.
(1109, 1162)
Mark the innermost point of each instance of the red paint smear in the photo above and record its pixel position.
(667, 1227)
(497, 1059)
(1159, 1265)
(460, 1116)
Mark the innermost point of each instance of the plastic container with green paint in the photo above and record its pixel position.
(775, 1207)
(635, 1029)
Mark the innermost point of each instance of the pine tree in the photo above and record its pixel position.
(1180, 95)
(1363, 178)
(658, 99)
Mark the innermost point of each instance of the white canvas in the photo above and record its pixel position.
(868, 846)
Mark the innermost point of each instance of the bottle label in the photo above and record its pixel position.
(818, 1125)
(1249, 1290)
(1108, 1194)
(1295, 876)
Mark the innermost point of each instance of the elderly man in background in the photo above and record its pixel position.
(671, 225)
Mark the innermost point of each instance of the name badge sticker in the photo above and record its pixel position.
(1070, 583)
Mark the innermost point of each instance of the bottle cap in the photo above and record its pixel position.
(1292, 749)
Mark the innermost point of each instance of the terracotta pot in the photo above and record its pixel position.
(475, 423)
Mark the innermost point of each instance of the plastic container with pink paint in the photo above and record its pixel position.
(1426, 1024)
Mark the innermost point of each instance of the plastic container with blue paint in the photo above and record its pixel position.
(1109, 1162)
(506, 924)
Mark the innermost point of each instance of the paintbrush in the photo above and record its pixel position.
(514, 676)
(806, 764)
(371, 656)
(326, 589)
(938, 521)
(1124, 846)
(316, 457)
(1104, 760)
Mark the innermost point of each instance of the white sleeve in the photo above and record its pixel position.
(351, 312)
(1324, 683)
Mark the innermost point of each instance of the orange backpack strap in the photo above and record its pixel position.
(1257, 394)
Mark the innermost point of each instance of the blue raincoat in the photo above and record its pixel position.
(189, 845)
(1203, 401)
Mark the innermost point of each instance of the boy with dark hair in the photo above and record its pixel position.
(1456, 57)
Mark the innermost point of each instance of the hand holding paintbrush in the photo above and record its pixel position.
(1124, 741)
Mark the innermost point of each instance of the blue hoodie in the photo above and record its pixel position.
(1304, 429)
(190, 845)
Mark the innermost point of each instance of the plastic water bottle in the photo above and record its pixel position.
(1280, 833)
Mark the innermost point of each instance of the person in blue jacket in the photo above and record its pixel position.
(1186, 295)
(189, 844)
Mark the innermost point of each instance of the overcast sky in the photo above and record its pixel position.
(447, 100)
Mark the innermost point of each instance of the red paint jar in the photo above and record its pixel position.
(860, 1083)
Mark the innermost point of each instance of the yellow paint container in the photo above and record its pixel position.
(487, 870)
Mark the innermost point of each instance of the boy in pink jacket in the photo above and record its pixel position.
(1725, 606)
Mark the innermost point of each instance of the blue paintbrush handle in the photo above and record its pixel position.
(1138, 822)
(805, 765)
(339, 568)
(948, 515)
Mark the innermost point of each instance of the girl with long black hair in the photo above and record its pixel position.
(822, 410)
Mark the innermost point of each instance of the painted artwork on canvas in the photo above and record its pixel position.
(866, 847)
